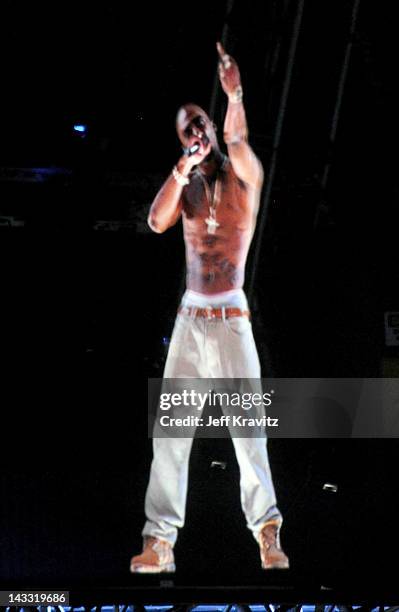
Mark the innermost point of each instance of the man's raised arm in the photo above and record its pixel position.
(244, 161)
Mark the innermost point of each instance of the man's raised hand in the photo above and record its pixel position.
(229, 75)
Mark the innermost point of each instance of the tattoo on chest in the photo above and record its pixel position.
(210, 240)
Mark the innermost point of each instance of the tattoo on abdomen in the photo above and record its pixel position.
(220, 266)
(229, 270)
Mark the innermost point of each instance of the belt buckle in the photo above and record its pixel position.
(210, 314)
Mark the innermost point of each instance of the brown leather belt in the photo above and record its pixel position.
(213, 313)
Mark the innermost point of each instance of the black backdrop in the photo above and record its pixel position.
(84, 312)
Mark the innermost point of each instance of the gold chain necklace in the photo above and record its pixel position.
(214, 200)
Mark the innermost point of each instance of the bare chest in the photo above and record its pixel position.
(222, 201)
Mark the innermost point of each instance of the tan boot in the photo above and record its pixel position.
(271, 554)
(157, 556)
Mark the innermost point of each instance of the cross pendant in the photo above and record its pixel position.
(212, 225)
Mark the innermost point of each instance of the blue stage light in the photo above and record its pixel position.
(80, 127)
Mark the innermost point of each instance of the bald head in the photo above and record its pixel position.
(187, 112)
(192, 118)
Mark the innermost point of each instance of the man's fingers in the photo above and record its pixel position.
(220, 49)
(224, 57)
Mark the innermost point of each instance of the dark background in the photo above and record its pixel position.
(88, 294)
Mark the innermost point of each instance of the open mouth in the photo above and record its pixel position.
(200, 143)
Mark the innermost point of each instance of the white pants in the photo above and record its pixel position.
(202, 348)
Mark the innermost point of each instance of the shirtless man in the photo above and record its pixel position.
(218, 200)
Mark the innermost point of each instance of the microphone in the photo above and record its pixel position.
(191, 150)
